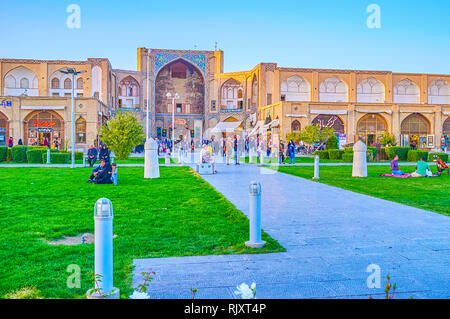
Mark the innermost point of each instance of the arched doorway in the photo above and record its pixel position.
(370, 128)
(414, 129)
(446, 127)
(41, 125)
(4, 129)
(333, 121)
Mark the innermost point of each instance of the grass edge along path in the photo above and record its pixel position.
(424, 193)
(178, 214)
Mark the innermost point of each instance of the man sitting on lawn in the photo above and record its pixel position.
(394, 166)
(422, 168)
(101, 174)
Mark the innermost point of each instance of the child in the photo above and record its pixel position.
(114, 173)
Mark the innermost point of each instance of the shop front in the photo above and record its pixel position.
(371, 128)
(43, 127)
(4, 128)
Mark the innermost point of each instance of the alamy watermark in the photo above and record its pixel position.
(74, 19)
(74, 279)
(374, 279)
(374, 19)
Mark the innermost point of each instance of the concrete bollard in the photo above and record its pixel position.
(359, 159)
(151, 163)
(167, 158)
(316, 167)
(255, 216)
(84, 161)
(48, 156)
(103, 216)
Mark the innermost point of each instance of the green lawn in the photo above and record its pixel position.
(426, 193)
(130, 160)
(298, 159)
(178, 214)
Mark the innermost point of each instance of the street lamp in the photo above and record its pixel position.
(74, 74)
(169, 96)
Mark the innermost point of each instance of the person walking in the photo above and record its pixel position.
(291, 150)
(236, 150)
(10, 142)
(281, 153)
(104, 154)
(228, 149)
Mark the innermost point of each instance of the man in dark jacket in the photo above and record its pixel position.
(92, 155)
(104, 154)
(101, 174)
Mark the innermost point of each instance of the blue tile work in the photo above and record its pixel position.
(331, 236)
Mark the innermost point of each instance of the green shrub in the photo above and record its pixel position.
(332, 143)
(373, 150)
(34, 156)
(401, 151)
(57, 158)
(3, 153)
(347, 157)
(442, 156)
(415, 155)
(348, 149)
(369, 156)
(335, 154)
(19, 154)
(322, 154)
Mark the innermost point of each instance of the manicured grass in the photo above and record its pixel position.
(178, 214)
(130, 160)
(427, 193)
(298, 160)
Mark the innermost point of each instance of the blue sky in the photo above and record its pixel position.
(414, 35)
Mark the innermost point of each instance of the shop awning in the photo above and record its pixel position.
(273, 123)
(257, 129)
(225, 127)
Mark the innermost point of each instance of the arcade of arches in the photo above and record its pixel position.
(415, 128)
(371, 128)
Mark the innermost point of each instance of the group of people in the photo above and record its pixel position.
(105, 173)
(11, 142)
(422, 168)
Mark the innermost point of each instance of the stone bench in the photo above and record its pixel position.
(204, 168)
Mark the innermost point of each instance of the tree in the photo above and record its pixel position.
(312, 134)
(387, 139)
(122, 133)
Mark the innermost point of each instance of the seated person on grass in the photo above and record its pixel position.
(101, 174)
(422, 168)
(394, 167)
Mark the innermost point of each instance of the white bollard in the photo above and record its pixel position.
(250, 156)
(255, 216)
(103, 216)
(48, 156)
(167, 159)
(84, 161)
(316, 167)
(359, 159)
(151, 163)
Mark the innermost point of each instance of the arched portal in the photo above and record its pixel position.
(446, 127)
(371, 128)
(41, 125)
(414, 130)
(296, 126)
(185, 79)
(333, 121)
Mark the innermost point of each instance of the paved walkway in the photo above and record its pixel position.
(331, 236)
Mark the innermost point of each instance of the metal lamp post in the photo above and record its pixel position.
(74, 74)
(169, 96)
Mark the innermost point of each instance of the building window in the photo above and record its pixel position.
(79, 94)
(67, 83)
(213, 105)
(240, 104)
(269, 99)
(295, 126)
(187, 108)
(129, 91)
(55, 83)
(55, 94)
(120, 102)
(80, 83)
(67, 94)
(283, 97)
(80, 129)
(179, 107)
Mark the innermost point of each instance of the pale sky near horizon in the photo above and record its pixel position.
(414, 36)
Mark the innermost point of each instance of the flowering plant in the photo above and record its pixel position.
(140, 292)
(245, 291)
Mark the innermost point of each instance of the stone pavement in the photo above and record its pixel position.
(331, 236)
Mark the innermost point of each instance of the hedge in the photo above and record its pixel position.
(78, 155)
(442, 156)
(3, 153)
(374, 151)
(401, 151)
(348, 149)
(347, 157)
(335, 154)
(415, 155)
(57, 158)
(34, 156)
(9, 155)
(322, 154)
(19, 153)
(332, 143)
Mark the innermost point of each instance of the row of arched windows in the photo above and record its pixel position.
(370, 90)
(56, 83)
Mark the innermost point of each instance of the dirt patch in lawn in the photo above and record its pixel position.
(86, 238)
